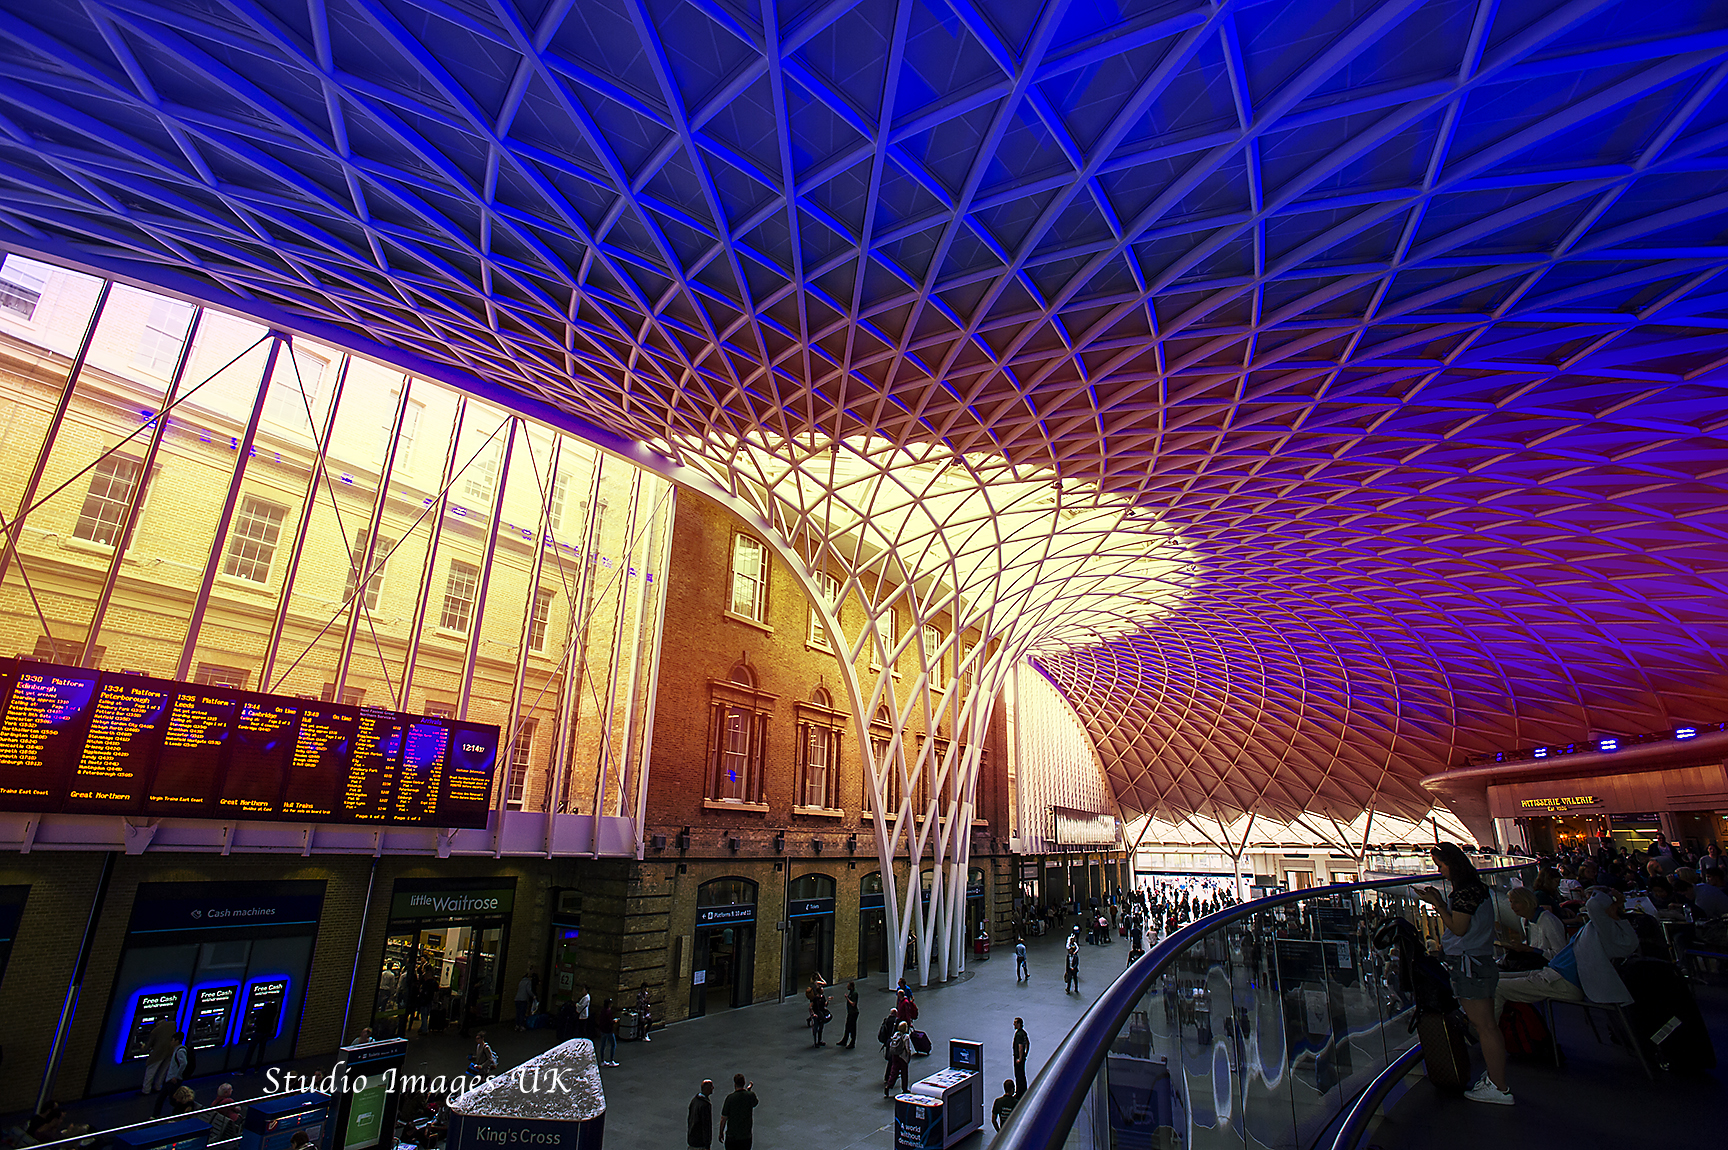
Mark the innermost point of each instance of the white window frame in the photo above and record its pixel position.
(747, 588)
(236, 562)
(830, 589)
(470, 573)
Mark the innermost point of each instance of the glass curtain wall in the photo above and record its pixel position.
(336, 531)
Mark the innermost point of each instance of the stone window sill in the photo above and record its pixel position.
(820, 812)
(748, 621)
(732, 805)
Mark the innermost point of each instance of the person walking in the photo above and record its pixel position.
(1020, 971)
(899, 1059)
(736, 1121)
(1022, 1048)
(885, 1032)
(1071, 969)
(607, 1024)
(850, 1039)
(644, 1012)
(701, 1133)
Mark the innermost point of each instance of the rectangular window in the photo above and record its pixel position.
(252, 542)
(933, 644)
(555, 503)
(537, 622)
(734, 779)
(164, 336)
(351, 696)
(405, 441)
(521, 754)
(749, 578)
(214, 675)
(479, 476)
(830, 588)
(375, 584)
(460, 587)
(818, 766)
(878, 752)
(111, 487)
(887, 626)
(301, 373)
(63, 651)
(439, 710)
(21, 284)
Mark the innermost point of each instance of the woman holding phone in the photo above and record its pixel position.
(1467, 944)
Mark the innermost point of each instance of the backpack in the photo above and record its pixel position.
(1425, 977)
(1526, 1035)
(885, 1031)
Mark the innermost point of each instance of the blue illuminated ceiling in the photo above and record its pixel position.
(1409, 315)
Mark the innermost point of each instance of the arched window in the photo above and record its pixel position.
(820, 728)
(737, 736)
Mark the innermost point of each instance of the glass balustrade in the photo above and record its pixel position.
(1251, 1029)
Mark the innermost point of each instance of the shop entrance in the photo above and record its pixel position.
(810, 912)
(872, 926)
(443, 965)
(454, 980)
(977, 912)
(725, 970)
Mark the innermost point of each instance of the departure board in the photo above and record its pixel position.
(83, 741)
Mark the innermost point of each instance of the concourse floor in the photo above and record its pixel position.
(809, 1097)
(1598, 1098)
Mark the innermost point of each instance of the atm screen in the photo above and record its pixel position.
(263, 1010)
(963, 1056)
(151, 1009)
(211, 1009)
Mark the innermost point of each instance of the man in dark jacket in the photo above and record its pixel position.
(850, 1038)
(702, 1117)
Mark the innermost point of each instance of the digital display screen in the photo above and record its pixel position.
(263, 1010)
(150, 1009)
(100, 742)
(211, 1008)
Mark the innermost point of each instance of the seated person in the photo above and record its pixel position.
(1660, 893)
(1584, 968)
(1711, 895)
(1547, 888)
(1542, 931)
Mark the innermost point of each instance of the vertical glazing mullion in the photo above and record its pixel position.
(363, 573)
(607, 743)
(431, 565)
(634, 682)
(573, 656)
(226, 518)
(15, 532)
(475, 625)
(534, 569)
(135, 502)
(321, 451)
(654, 673)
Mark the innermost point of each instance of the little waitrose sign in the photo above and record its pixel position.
(451, 903)
(1559, 803)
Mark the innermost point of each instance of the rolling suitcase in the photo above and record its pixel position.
(1444, 1054)
(920, 1043)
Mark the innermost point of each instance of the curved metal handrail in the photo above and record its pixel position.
(1354, 1125)
(1045, 1115)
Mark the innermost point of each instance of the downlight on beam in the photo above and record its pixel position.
(1685, 732)
(1608, 745)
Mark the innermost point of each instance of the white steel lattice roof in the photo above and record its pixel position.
(1405, 317)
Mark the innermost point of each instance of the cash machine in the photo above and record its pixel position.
(958, 1094)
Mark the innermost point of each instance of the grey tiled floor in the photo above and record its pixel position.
(829, 1098)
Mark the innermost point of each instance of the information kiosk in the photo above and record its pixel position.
(271, 1123)
(553, 1101)
(959, 1089)
(363, 1114)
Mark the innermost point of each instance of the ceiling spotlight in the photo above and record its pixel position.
(1541, 752)
(1608, 745)
(1686, 732)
